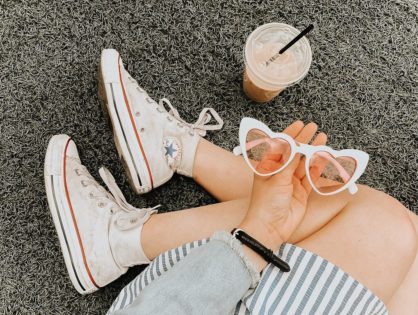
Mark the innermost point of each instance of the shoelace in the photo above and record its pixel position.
(201, 124)
(130, 216)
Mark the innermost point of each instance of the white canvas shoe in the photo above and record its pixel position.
(152, 142)
(99, 232)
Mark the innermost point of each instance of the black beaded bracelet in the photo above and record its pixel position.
(266, 253)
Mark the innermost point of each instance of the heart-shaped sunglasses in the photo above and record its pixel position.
(328, 171)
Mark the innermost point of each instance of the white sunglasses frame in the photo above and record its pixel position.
(361, 157)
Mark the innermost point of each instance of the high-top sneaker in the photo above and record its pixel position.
(152, 142)
(99, 232)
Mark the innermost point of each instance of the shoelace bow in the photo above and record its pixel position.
(130, 216)
(201, 124)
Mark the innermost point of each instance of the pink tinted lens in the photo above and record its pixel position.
(268, 155)
(329, 173)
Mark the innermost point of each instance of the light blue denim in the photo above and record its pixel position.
(210, 280)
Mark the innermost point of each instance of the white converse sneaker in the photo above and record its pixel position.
(99, 232)
(152, 142)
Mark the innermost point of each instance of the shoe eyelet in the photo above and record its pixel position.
(139, 89)
(148, 99)
(112, 211)
(180, 125)
(142, 129)
(133, 220)
(159, 110)
(169, 118)
(83, 183)
(101, 204)
(77, 171)
(191, 133)
(137, 114)
(91, 195)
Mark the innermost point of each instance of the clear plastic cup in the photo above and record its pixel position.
(265, 78)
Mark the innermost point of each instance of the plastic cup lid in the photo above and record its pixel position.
(289, 67)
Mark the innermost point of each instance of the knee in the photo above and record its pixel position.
(404, 239)
(392, 221)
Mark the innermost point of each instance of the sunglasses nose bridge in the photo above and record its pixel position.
(301, 148)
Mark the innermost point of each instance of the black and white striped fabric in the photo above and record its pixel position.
(313, 286)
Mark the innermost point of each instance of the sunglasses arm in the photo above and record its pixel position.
(345, 176)
(353, 189)
(237, 150)
(249, 145)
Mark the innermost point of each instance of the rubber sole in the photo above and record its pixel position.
(63, 216)
(125, 134)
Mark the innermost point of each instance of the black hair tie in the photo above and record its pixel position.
(266, 253)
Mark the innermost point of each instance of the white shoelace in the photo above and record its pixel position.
(130, 216)
(201, 124)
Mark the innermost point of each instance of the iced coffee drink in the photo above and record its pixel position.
(267, 72)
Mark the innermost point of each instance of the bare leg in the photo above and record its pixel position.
(370, 236)
(169, 230)
(221, 173)
(404, 301)
(373, 240)
(228, 177)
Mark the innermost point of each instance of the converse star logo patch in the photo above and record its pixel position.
(172, 151)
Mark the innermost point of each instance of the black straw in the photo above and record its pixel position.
(294, 40)
(303, 33)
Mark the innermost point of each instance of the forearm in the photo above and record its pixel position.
(210, 280)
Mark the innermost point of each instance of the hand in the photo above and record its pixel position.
(278, 202)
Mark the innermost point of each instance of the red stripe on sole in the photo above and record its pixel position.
(73, 216)
(133, 124)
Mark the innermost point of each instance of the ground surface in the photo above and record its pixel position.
(362, 89)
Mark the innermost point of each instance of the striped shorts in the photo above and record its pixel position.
(313, 286)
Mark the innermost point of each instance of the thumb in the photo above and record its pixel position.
(285, 177)
(267, 166)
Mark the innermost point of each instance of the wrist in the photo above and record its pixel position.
(262, 232)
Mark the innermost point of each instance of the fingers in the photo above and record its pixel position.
(274, 152)
(304, 136)
(268, 166)
(294, 128)
(307, 133)
(320, 139)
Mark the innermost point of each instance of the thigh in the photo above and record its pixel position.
(372, 239)
(320, 210)
(404, 301)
